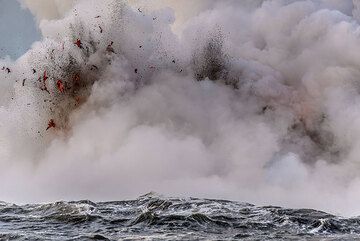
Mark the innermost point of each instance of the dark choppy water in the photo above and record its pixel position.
(151, 217)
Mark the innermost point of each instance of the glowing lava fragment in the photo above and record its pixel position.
(51, 124)
(78, 43)
(60, 86)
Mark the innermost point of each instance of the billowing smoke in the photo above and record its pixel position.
(48, 9)
(254, 101)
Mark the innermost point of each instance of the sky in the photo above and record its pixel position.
(17, 29)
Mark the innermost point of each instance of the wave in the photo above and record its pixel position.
(157, 217)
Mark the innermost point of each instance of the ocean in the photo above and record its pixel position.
(153, 217)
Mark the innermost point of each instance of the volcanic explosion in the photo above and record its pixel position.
(255, 101)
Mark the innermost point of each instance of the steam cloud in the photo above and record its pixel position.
(255, 101)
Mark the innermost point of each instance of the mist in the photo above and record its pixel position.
(254, 101)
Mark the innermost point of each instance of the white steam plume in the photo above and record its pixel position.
(48, 9)
(256, 101)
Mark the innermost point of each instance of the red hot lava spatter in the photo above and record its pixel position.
(51, 124)
(60, 86)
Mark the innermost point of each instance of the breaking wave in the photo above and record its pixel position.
(154, 217)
